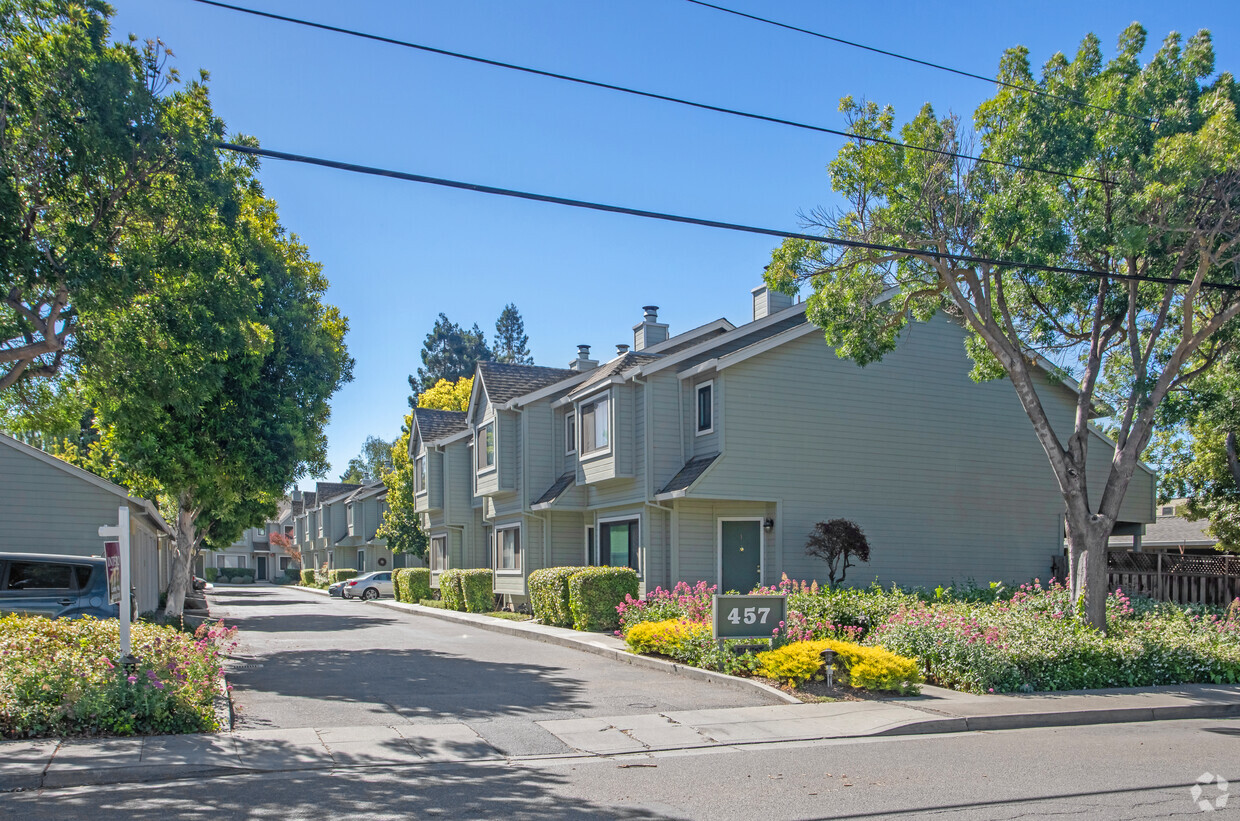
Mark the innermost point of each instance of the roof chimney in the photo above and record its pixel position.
(649, 331)
(583, 362)
(621, 349)
(767, 302)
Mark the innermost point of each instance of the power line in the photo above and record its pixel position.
(648, 94)
(920, 62)
(727, 226)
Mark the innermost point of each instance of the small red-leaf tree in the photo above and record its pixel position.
(837, 542)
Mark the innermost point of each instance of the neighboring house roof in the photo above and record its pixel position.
(434, 425)
(690, 473)
(366, 491)
(616, 366)
(328, 491)
(1170, 531)
(309, 499)
(98, 481)
(505, 382)
(557, 489)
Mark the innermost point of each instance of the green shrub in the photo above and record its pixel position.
(450, 591)
(211, 574)
(867, 668)
(412, 584)
(549, 595)
(594, 593)
(442, 605)
(340, 575)
(59, 678)
(478, 589)
(241, 574)
(307, 578)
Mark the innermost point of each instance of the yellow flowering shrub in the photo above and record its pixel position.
(867, 668)
(666, 638)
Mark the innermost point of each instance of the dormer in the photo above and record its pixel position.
(431, 427)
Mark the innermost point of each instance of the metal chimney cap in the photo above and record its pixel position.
(651, 312)
(622, 349)
(583, 351)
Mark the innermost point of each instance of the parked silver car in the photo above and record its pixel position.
(368, 586)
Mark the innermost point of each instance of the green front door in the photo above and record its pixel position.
(740, 546)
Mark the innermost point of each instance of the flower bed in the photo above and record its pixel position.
(979, 639)
(59, 677)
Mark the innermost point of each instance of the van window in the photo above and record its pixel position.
(81, 573)
(40, 576)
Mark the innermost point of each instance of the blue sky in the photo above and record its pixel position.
(397, 254)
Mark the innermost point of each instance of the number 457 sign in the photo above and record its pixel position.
(748, 617)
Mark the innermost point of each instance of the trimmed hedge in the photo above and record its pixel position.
(307, 578)
(450, 591)
(211, 574)
(478, 590)
(340, 575)
(549, 595)
(411, 584)
(595, 592)
(239, 574)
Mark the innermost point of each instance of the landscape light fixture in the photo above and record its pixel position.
(828, 660)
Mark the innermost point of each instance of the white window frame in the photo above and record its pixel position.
(590, 540)
(480, 446)
(420, 474)
(697, 407)
(761, 520)
(439, 557)
(641, 549)
(348, 514)
(570, 433)
(611, 427)
(497, 542)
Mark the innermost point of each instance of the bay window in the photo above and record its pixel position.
(596, 424)
(508, 549)
(484, 446)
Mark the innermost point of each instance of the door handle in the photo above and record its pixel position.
(67, 602)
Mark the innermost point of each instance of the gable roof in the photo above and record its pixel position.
(616, 366)
(434, 425)
(504, 382)
(330, 491)
(86, 476)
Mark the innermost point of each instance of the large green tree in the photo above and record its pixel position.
(511, 341)
(1155, 154)
(448, 352)
(371, 464)
(88, 138)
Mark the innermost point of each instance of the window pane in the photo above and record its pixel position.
(82, 572)
(618, 544)
(587, 428)
(40, 576)
(704, 407)
(602, 431)
(570, 433)
(490, 444)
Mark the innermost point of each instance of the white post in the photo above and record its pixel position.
(121, 534)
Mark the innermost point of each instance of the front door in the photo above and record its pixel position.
(261, 569)
(740, 555)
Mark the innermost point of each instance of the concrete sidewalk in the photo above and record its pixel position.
(49, 764)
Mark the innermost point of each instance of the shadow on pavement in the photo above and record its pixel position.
(419, 684)
(306, 623)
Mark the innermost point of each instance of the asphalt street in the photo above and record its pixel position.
(308, 661)
(1126, 771)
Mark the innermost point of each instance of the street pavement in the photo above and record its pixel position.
(309, 661)
(1115, 771)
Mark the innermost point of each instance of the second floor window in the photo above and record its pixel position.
(419, 475)
(706, 407)
(484, 447)
(596, 425)
(570, 433)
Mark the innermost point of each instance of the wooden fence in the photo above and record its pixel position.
(1168, 576)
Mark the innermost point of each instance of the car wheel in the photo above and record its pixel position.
(371, 593)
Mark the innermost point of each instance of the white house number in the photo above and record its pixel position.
(750, 615)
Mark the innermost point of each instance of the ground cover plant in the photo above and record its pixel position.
(60, 678)
(992, 639)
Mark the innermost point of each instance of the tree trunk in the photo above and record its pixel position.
(182, 559)
(1088, 534)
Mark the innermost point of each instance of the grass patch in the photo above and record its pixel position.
(510, 616)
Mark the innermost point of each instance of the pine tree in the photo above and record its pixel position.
(449, 352)
(511, 339)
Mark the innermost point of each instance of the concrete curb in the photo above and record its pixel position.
(587, 642)
(1071, 718)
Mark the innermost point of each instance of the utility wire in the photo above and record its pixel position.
(920, 62)
(649, 94)
(727, 226)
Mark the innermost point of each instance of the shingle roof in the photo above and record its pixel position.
(618, 365)
(327, 491)
(1171, 531)
(366, 491)
(552, 493)
(434, 425)
(690, 473)
(504, 382)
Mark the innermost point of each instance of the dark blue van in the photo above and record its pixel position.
(39, 584)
